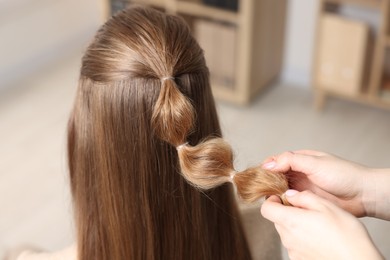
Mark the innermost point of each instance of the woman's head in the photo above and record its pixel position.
(143, 91)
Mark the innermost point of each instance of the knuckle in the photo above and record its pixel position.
(265, 211)
(284, 158)
(287, 154)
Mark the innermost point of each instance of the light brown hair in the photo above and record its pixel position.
(131, 202)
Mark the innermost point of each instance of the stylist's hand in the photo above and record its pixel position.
(317, 229)
(340, 181)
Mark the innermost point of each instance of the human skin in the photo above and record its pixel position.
(360, 190)
(315, 228)
(322, 223)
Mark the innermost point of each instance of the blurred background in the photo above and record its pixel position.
(296, 74)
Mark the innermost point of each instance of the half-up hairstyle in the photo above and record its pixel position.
(143, 91)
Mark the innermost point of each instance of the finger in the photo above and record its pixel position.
(273, 210)
(269, 162)
(289, 161)
(306, 200)
(310, 152)
(275, 199)
(301, 181)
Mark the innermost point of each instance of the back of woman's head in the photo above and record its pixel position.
(143, 92)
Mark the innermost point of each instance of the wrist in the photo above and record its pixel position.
(369, 192)
(376, 193)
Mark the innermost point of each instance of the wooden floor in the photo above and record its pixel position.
(35, 206)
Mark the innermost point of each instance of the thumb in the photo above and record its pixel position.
(290, 161)
(305, 200)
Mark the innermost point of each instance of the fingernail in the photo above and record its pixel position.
(269, 165)
(290, 193)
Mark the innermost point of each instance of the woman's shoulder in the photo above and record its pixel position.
(69, 253)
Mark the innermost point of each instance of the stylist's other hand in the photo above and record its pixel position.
(340, 181)
(315, 228)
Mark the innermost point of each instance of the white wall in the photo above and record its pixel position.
(34, 33)
(300, 34)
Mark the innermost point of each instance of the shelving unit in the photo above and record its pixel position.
(200, 10)
(363, 3)
(370, 92)
(259, 39)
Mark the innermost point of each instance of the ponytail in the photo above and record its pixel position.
(210, 163)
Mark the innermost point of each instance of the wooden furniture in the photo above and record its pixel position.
(341, 54)
(371, 91)
(259, 26)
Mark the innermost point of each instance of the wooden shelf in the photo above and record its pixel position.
(376, 4)
(373, 93)
(221, 93)
(194, 9)
(155, 3)
(363, 98)
(200, 10)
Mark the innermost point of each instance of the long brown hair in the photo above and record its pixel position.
(143, 90)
